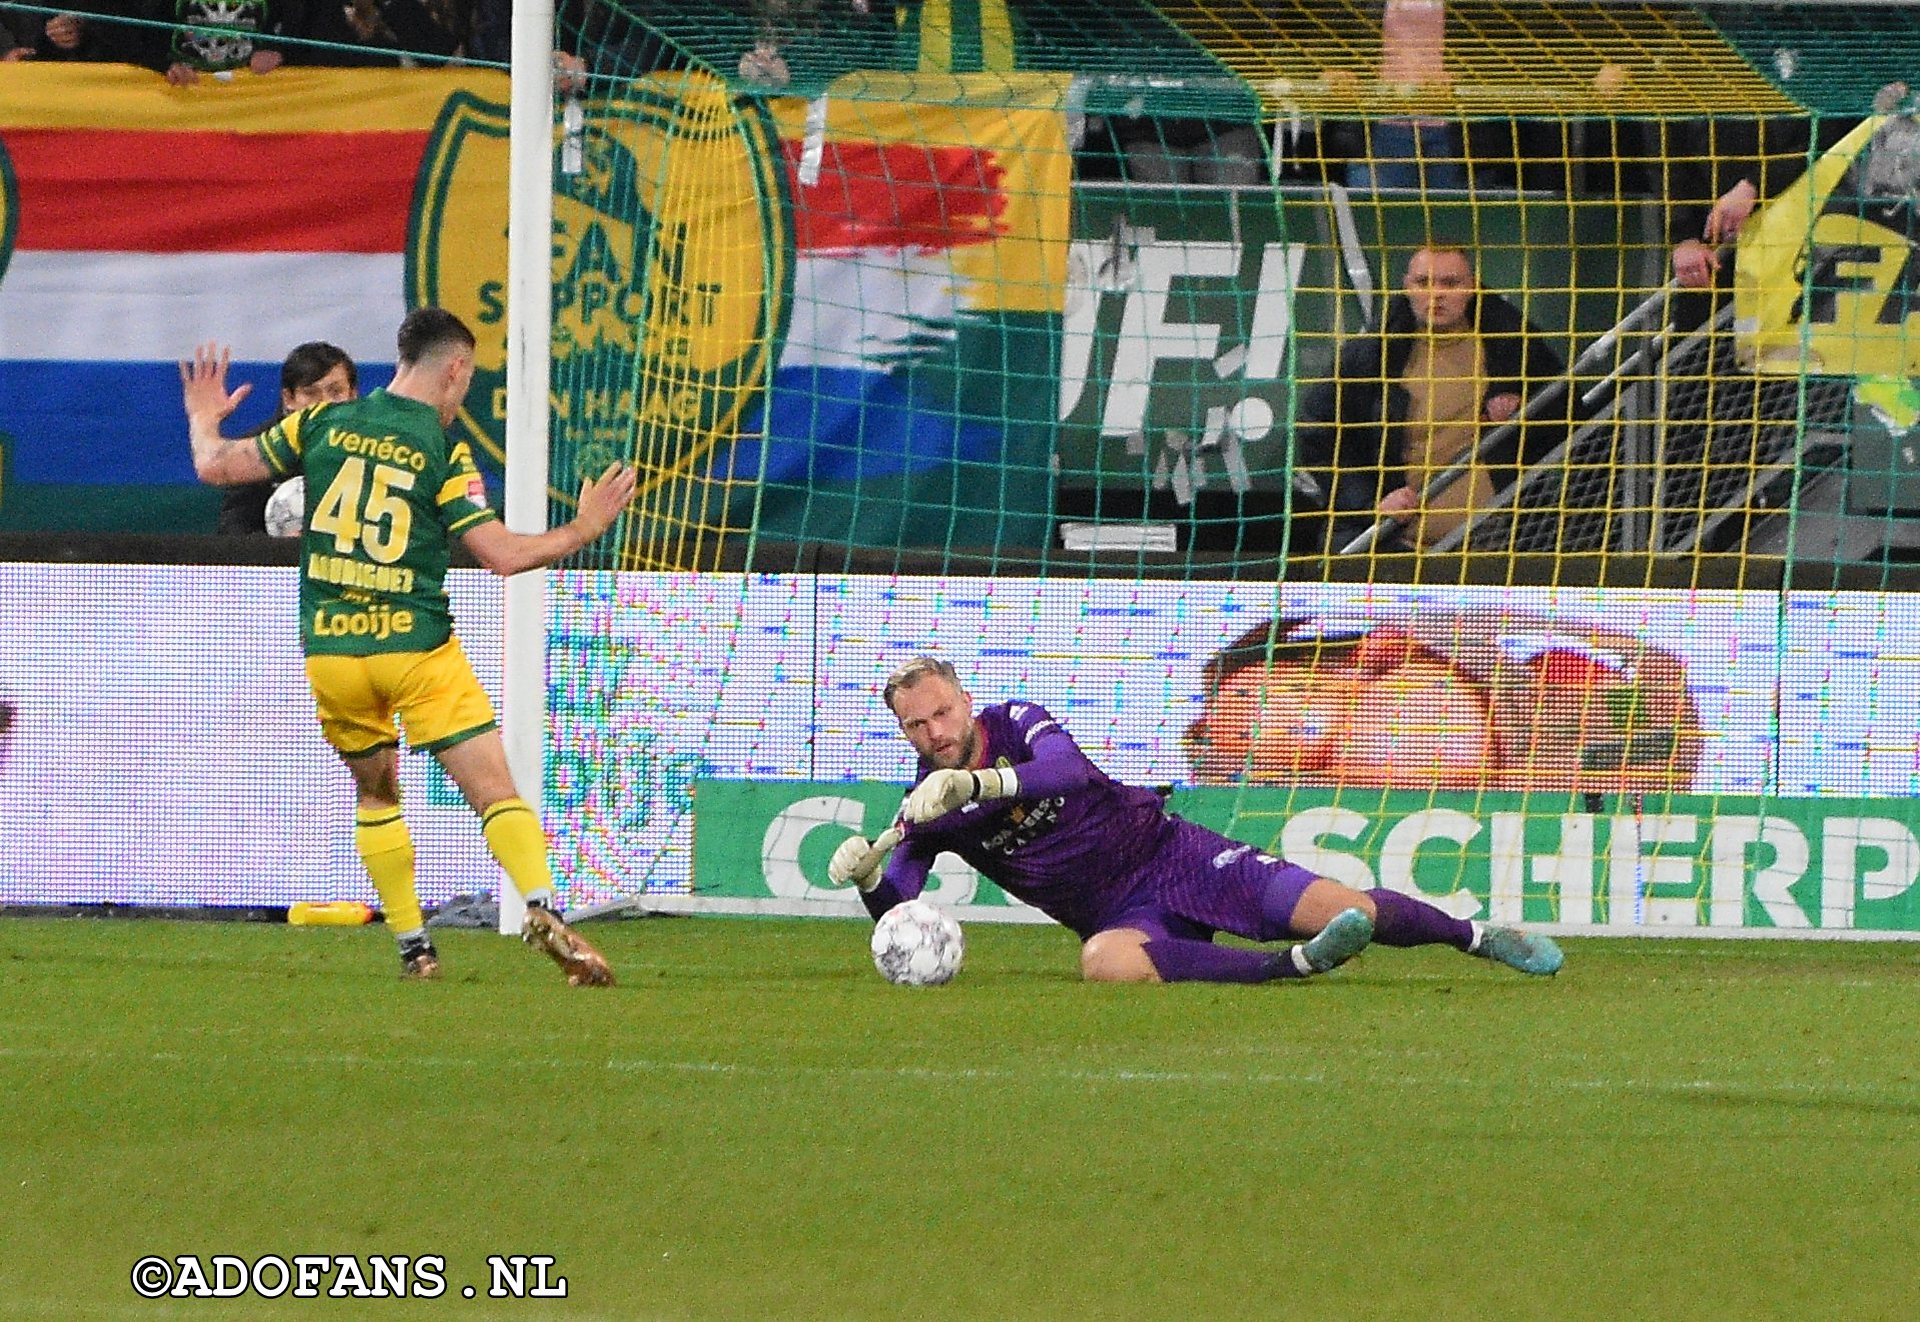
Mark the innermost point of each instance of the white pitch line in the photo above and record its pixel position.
(967, 1074)
(1393, 1076)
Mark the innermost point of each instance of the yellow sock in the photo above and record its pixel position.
(380, 834)
(514, 835)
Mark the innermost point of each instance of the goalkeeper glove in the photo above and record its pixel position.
(857, 861)
(855, 864)
(943, 791)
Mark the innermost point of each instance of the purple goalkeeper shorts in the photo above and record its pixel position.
(1201, 882)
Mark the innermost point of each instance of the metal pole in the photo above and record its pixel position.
(529, 319)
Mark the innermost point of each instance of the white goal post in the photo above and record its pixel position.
(529, 321)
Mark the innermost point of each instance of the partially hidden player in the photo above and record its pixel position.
(1146, 891)
(387, 492)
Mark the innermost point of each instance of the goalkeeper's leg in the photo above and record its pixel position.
(1153, 946)
(1402, 920)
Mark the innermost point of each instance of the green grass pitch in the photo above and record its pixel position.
(754, 1125)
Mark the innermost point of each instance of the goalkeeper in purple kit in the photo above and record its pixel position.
(1010, 792)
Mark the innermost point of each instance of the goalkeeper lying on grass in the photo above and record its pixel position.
(1010, 792)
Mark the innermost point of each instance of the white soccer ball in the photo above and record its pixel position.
(287, 508)
(917, 944)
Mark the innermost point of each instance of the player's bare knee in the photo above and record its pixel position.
(1322, 901)
(1118, 955)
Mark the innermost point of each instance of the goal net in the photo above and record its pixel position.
(1467, 448)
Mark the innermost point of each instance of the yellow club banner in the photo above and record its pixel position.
(1827, 279)
(296, 100)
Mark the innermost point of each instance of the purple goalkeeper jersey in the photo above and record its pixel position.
(1073, 844)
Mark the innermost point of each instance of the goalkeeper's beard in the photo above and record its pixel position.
(965, 755)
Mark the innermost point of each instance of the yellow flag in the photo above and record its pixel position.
(1827, 278)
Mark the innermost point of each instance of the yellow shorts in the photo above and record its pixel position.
(435, 695)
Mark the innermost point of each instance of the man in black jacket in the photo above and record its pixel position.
(1410, 398)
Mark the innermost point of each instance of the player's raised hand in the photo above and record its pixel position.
(602, 498)
(203, 384)
(944, 790)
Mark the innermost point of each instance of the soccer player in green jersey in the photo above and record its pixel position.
(387, 492)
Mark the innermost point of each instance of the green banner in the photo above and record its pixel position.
(1669, 865)
(1190, 311)
(764, 846)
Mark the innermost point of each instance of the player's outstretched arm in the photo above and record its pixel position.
(601, 499)
(203, 386)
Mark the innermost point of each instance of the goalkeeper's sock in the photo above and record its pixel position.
(1401, 920)
(519, 845)
(1180, 959)
(386, 847)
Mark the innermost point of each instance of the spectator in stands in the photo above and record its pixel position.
(384, 32)
(1407, 153)
(490, 35)
(1719, 174)
(1418, 151)
(1446, 365)
(1718, 171)
(604, 38)
(1715, 174)
(185, 52)
(61, 38)
(314, 373)
(15, 45)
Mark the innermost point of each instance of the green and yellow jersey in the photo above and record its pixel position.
(386, 494)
